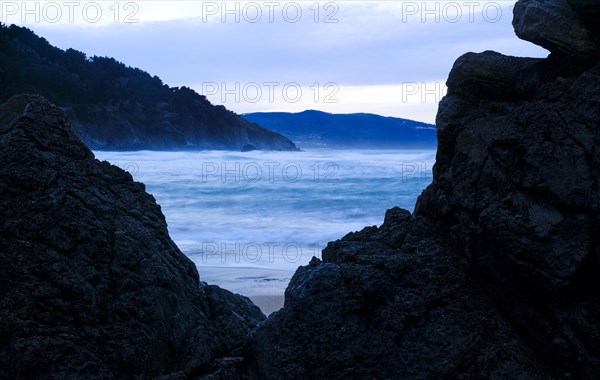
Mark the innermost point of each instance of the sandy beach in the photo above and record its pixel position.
(268, 304)
(264, 286)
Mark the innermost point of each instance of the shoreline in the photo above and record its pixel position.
(268, 304)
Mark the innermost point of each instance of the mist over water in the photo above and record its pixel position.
(248, 220)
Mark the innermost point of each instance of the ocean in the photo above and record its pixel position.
(248, 220)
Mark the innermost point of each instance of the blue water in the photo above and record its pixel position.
(248, 220)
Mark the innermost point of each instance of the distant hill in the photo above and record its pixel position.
(361, 130)
(113, 106)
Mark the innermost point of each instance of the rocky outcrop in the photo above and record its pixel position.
(588, 12)
(497, 273)
(91, 285)
(389, 303)
(556, 26)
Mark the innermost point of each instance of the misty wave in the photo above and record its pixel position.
(248, 220)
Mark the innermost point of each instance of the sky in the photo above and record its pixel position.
(386, 57)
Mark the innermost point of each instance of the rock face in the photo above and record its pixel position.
(556, 26)
(497, 273)
(389, 303)
(91, 285)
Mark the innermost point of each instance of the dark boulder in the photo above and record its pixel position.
(556, 26)
(91, 285)
(516, 191)
(497, 273)
(373, 311)
(588, 11)
(491, 75)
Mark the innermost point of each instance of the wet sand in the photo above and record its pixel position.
(268, 304)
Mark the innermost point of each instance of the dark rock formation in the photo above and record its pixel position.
(389, 303)
(588, 11)
(91, 285)
(113, 106)
(556, 26)
(497, 273)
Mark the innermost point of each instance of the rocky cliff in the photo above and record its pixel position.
(113, 106)
(497, 273)
(91, 285)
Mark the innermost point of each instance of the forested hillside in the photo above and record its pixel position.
(114, 106)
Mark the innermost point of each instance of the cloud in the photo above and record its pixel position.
(369, 45)
(415, 100)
